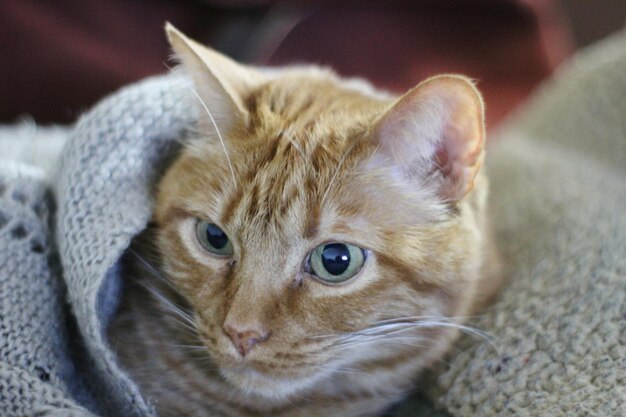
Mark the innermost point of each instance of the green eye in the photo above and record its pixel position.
(213, 239)
(336, 262)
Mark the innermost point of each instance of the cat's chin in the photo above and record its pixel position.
(270, 387)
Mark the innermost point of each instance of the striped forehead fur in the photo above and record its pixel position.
(309, 131)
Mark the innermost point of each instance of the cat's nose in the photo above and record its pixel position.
(245, 339)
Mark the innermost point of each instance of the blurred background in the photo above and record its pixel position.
(60, 57)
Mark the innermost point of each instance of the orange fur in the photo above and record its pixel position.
(311, 159)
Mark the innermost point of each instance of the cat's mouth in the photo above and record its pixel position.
(259, 368)
(264, 378)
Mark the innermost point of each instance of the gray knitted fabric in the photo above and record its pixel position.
(35, 367)
(104, 191)
(558, 196)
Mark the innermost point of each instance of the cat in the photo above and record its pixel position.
(315, 244)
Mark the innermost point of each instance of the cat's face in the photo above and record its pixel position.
(311, 234)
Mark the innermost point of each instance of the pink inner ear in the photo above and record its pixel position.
(442, 161)
(458, 157)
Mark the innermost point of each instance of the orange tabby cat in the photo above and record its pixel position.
(314, 240)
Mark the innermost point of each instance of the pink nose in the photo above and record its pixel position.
(245, 340)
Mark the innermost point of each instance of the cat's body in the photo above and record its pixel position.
(288, 168)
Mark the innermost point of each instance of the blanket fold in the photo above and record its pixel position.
(104, 192)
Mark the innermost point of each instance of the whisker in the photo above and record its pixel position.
(415, 318)
(187, 322)
(197, 348)
(401, 341)
(151, 268)
(390, 327)
(219, 135)
(352, 343)
(341, 370)
(373, 335)
(332, 179)
(217, 130)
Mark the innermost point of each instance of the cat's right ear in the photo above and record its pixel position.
(219, 82)
(434, 134)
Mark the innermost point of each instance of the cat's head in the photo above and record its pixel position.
(313, 224)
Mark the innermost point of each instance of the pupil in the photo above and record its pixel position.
(216, 237)
(335, 258)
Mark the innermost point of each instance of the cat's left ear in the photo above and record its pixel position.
(435, 132)
(220, 83)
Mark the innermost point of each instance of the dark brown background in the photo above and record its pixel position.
(59, 57)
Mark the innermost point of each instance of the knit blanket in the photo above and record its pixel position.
(558, 332)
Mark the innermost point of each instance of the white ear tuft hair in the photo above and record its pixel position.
(219, 82)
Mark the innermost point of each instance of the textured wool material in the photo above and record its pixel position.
(557, 345)
(558, 197)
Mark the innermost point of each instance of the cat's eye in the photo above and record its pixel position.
(213, 239)
(336, 262)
